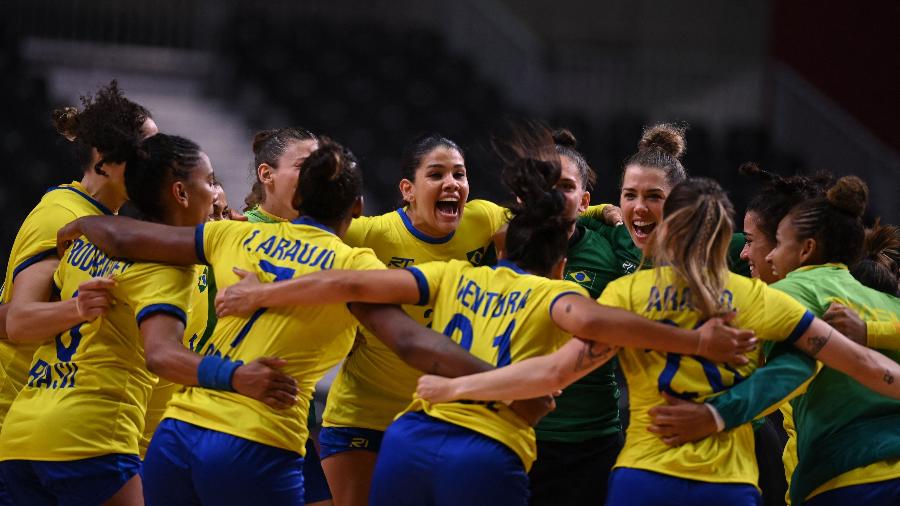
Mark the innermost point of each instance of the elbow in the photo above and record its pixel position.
(156, 362)
(16, 328)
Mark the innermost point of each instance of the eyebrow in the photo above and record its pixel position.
(441, 166)
(660, 190)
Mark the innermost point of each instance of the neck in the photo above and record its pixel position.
(100, 188)
(571, 230)
(276, 208)
(422, 225)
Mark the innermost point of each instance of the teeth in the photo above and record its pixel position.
(644, 223)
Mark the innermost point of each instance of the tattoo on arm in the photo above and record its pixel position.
(816, 343)
(888, 377)
(590, 353)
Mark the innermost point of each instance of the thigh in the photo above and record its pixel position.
(349, 476)
(227, 469)
(23, 486)
(573, 473)
(348, 456)
(167, 470)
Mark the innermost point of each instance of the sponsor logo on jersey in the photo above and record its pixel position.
(203, 280)
(629, 267)
(400, 262)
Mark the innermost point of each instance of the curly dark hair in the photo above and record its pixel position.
(108, 122)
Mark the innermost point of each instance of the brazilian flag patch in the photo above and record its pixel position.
(203, 281)
(581, 277)
(475, 256)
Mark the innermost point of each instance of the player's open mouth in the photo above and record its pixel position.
(643, 229)
(447, 208)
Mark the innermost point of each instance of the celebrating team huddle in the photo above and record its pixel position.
(172, 359)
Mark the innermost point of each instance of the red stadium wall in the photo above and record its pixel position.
(850, 51)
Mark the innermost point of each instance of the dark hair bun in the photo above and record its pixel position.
(667, 137)
(850, 194)
(565, 138)
(65, 121)
(261, 137)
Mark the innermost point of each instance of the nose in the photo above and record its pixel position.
(745, 253)
(450, 182)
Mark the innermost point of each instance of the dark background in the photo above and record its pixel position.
(795, 85)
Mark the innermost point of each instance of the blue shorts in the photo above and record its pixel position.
(427, 461)
(75, 482)
(187, 464)
(5, 499)
(879, 492)
(315, 485)
(334, 440)
(633, 487)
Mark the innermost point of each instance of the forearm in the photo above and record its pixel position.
(782, 378)
(170, 360)
(39, 321)
(870, 368)
(338, 286)
(418, 346)
(535, 376)
(122, 237)
(4, 310)
(588, 320)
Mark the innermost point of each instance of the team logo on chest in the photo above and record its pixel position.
(582, 277)
(476, 256)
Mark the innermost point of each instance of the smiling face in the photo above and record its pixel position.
(437, 195)
(644, 191)
(572, 188)
(756, 246)
(790, 252)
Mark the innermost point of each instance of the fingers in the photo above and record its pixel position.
(98, 283)
(273, 362)
(241, 273)
(279, 400)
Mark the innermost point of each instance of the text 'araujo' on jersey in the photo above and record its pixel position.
(726, 457)
(312, 339)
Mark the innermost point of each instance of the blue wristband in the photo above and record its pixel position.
(216, 372)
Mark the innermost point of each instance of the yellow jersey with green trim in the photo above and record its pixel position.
(726, 457)
(373, 384)
(87, 389)
(501, 315)
(198, 316)
(312, 339)
(35, 241)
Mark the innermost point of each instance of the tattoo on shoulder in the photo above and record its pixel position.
(568, 308)
(591, 353)
(814, 344)
(888, 377)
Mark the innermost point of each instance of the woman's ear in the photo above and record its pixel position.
(179, 192)
(407, 190)
(264, 173)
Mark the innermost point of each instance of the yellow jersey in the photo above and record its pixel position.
(35, 241)
(373, 384)
(726, 457)
(312, 339)
(501, 315)
(198, 316)
(86, 391)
